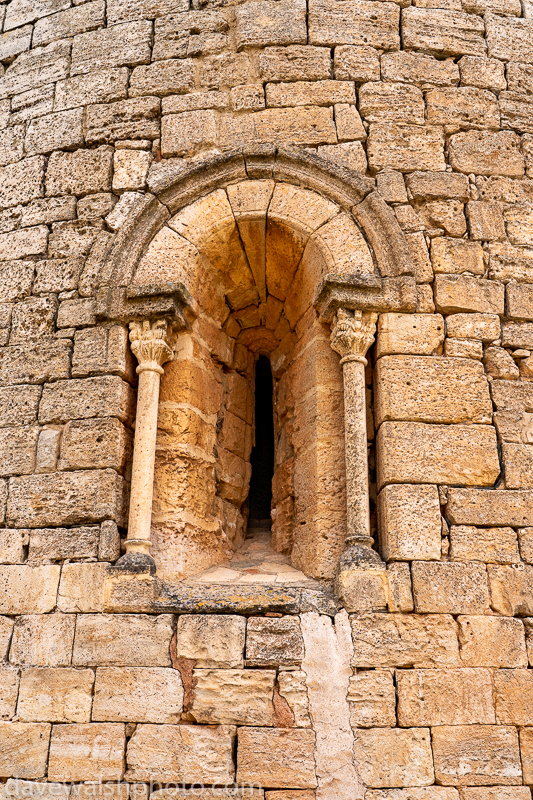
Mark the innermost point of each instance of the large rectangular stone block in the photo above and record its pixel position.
(264, 22)
(463, 106)
(37, 68)
(518, 462)
(23, 11)
(79, 752)
(488, 508)
(487, 153)
(372, 699)
(55, 695)
(455, 293)
(492, 641)
(494, 545)
(82, 588)
(6, 629)
(137, 694)
(444, 697)
(104, 86)
(419, 69)
(513, 694)
(63, 129)
(129, 10)
(355, 22)
(391, 102)
(43, 640)
(302, 93)
(510, 39)
(233, 696)
(450, 588)
(21, 182)
(510, 263)
(416, 334)
(395, 640)
(272, 642)
(412, 452)
(95, 443)
(60, 544)
(27, 590)
(526, 751)
(17, 450)
(485, 327)
(279, 757)
(127, 119)
(183, 753)
(453, 256)
(394, 757)
(9, 687)
(108, 396)
(307, 126)
(15, 280)
(35, 363)
(81, 172)
(295, 63)
(409, 523)
(520, 301)
(26, 242)
(23, 749)
(425, 389)
(511, 589)
(476, 755)
(442, 31)
(405, 147)
(126, 46)
(121, 640)
(211, 640)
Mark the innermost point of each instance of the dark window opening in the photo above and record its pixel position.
(262, 458)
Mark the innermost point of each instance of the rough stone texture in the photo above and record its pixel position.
(211, 641)
(476, 755)
(233, 697)
(23, 749)
(278, 756)
(77, 752)
(420, 334)
(273, 641)
(28, 589)
(394, 757)
(123, 640)
(492, 641)
(410, 523)
(140, 694)
(450, 588)
(372, 699)
(43, 640)
(510, 588)
(495, 545)
(394, 640)
(445, 697)
(55, 695)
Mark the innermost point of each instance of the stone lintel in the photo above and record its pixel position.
(364, 293)
(125, 304)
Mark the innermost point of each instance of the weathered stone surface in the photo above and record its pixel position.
(21, 182)
(16, 42)
(358, 64)
(6, 628)
(456, 293)
(302, 93)
(66, 499)
(59, 544)
(485, 153)
(112, 47)
(442, 32)
(55, 695)
(95, 443)
(426, 389)
(492, 641)
(93, 397)
(264, 22)
(485, 73)
(421, 334)
(293, 689)
(17, 450)
(526, 751)
(405, 147)
(412, 452)
(473, 326)
(122, 640)
(479, 507)
(27, 590)
(9, 685)
(444, 697)
(456, 255)
(35, 363)
(510, 263)
(213, 641)
(409, 523)
(296, 63)
(43, 640)
(485, 220)
(233, 696)
(520, 300)
(272, 642)
(12, 546)
(128, 10)
(357, 22)
(130, 170)
(450, 588)
(395, 640)
(78, 752)
(64, 129)
(15, 279)
(463, 107)
(496, 545)
(184, 753)
(510, 39)
(27, 242)
(372, 699)
(420, 793)
(308, 125)
(511, 588)
(23, 749)
(82, 588)
(419, 69)
(404, 757)
(513, 691)
(36, 68)
(137, 694)
(476, 755)
(80, 173)
(391, 102)
(517, 459)
(69, 23)
(276, 756)
(127, 119)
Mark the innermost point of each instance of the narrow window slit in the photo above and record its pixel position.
(262, 457)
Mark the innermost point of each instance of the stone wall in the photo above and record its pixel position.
(423, 111)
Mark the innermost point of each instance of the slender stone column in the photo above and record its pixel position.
(149, 343)
(351, 336)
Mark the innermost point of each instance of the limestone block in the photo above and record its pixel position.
(191, 34)
(9, 686)
(23, 749)
(137, 694)
(421, 334)
(264, 22)
(295, 63)
(510, 263)
(82, 588)
(463, 107)
(518, 78)
(273, 641)
(212, 641)
(421, 793)
(395, 640)
(6, 628)
(128, 10)
(76, 313)
(416, 243)
(391, 102)
(17, 450)
(59, 544)
(486, 153)
(27, 242)
(411, 452)
(520, 301)
(15, 279)
(511, 589)
(81, 172)
(102, 86)
(476, 755)
(519, 223)
(127, 119)
(123, 640)
(37, 68)
(473, 326)
(292, 686)
(93, 397)
(456, 293)
(485, 220)
(518, 461)
(12, 546)
(57, 274)
(55, 695)
(405, 147)
(182, 134)
(444, 697)
(225, 70)
(43, 640)
(69, 23)
(279, 757)
(496, 545)
(463, 348)
(526, 751)
(34, 363)
(391, 186)
(64, 129)
(478, 507)
(357, 22)
(47, 450)
(96, 443)
(456, 255)
(426, 389)
(358, 64)
(500, 792)
(500, 364)
(131, 169)
(306, 126)
(233, 696)
(162, 78)
(399, 578)
(102, 350)
(491, 641)
(302, 93)
(485, 73)
(27, 590)
(79, 752)
(394, 757)
(513, 693)
(128, 46)
(409, 523)
(510, 39)
(184, 753)
(442, 32)
(517, 334)
(419, 69)
(347, 154)
(16, 42)
(93, 207)
(66, 499)
(22, 11)
(372, 699)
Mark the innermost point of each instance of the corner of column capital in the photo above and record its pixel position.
(151, 343)
(352, 333)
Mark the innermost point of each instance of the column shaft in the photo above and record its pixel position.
(356, 452)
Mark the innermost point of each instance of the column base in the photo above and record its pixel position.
(135, 561)
(362, 590)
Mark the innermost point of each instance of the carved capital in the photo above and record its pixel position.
(150, 344)
(353, 333)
